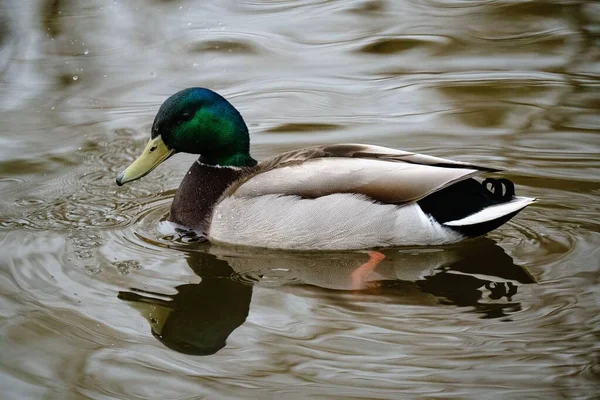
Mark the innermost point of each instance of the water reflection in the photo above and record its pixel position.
(198, 319)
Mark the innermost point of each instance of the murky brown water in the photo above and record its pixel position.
(99, 301)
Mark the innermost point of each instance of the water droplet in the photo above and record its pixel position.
(105, 75)
(152, 73)
(125, 267)
(52, 108)
(195, 64)
(86, 52)
(189, 24)
(93, 270)
(75, 77)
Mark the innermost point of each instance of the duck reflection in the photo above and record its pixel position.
(481, 269)
(199, 318)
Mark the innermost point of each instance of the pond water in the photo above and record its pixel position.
(100, 300)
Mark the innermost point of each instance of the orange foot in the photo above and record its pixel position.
(360, 274)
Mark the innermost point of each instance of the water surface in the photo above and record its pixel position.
(100, 301)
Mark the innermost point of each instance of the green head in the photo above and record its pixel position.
(197, 121)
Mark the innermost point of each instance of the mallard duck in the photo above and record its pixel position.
(330, 197)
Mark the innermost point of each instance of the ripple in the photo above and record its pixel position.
(303, 127)
(233, 46)
(395, 45)
(368, 7)
(86, 196)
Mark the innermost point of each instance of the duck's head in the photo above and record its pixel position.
(197, 121)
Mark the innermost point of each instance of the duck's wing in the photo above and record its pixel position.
(383, 174)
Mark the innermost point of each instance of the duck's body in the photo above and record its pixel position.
(345, 196)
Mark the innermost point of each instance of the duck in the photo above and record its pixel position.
(329, 197)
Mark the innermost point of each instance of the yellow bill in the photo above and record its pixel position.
(156, 152)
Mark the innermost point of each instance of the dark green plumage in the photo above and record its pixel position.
(200, 121)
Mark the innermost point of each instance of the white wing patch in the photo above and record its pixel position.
(334, 222)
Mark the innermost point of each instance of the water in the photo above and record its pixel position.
(100, 300)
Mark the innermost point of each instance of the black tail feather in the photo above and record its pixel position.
(466, 198)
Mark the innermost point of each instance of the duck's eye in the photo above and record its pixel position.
(186, 116)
